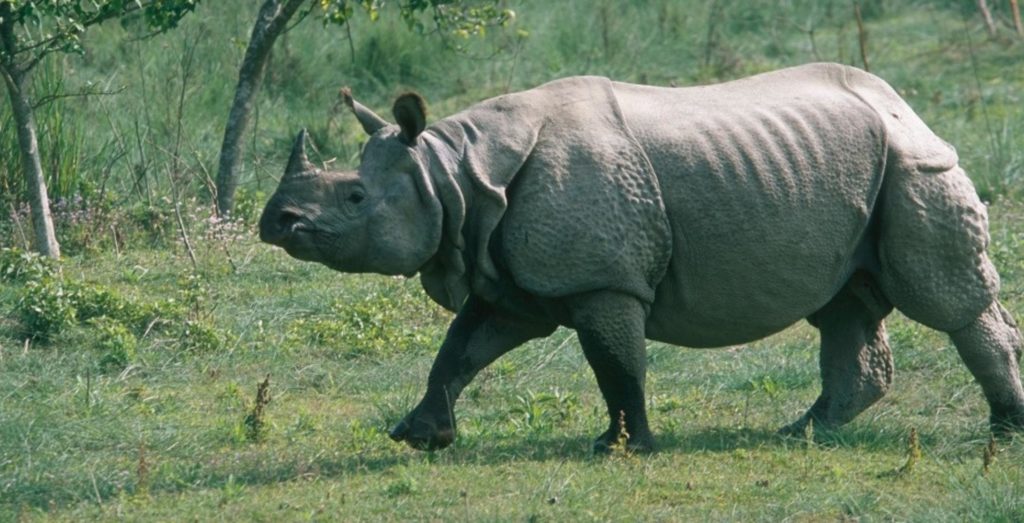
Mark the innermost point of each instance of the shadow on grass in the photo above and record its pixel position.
(258, 466)
(720, 439)
(868, 438)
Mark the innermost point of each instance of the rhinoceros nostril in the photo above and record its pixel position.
(288, 221)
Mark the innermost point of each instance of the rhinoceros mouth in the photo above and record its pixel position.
(303, 247)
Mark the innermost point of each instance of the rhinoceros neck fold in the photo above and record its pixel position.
(556, 178)
(472, 158)
(443, 277)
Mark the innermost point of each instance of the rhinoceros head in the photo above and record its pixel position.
(383, 217)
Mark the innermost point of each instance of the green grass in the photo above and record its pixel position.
(139, 413)
(164, 437)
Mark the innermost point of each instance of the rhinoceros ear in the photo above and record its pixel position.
(368, 119)
(411, 113)
(298, 162)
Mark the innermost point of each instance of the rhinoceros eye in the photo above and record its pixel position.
(356, 197)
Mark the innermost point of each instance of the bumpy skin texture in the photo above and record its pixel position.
(701, 216)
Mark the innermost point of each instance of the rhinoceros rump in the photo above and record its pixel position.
(699, 216)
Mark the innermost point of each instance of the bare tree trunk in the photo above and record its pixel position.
(862, 36)
(987, 15)
(39, 202)
(1015, 9)
(35, 181)
(270, 22)
(714, 12)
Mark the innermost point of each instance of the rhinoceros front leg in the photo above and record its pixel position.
(611, 330)
(856, 363)
(479, 335)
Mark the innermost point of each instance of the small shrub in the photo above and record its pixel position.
(17, 265)
(50, 305)
(766, 384)
(157, 220)
(194, 294)
(199, 336)
(322, 332)
(77, 217)
(116, 343)
(373, 326)
(543, 410)
(404, 485)
(249, 204)
(46, 308)
(95, 301)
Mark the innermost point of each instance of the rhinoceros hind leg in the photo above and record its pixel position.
(934, 233)
(991, 347)
(856, 364)
(611, 329)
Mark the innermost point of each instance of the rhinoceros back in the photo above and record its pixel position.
(770, 184)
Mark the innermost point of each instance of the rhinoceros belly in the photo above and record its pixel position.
(769, 192)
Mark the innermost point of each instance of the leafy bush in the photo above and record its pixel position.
(95, 301)
(156, 220)
(46, 308)
(48, 303)
(249, 204)
(17, 265)
(200, 336)
(376, 324)
(116, 343)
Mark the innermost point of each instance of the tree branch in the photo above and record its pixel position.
(987, 15)
(44, 47)
(80, 94)
(9, 43)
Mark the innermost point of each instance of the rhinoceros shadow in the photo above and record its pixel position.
(488, 450)
(726, 439)
(863, 436)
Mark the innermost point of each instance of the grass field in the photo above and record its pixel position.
(164, 436)
(128, 375)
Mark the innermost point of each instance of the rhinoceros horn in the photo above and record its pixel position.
(368, 119)
(298, 162)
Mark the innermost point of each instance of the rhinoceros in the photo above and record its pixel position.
(698, 216)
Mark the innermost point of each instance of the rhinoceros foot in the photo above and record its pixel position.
(798, 429)
(424, 431)
(638, 444)
(1007, 421)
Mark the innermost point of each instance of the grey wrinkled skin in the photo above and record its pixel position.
(699, 216)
